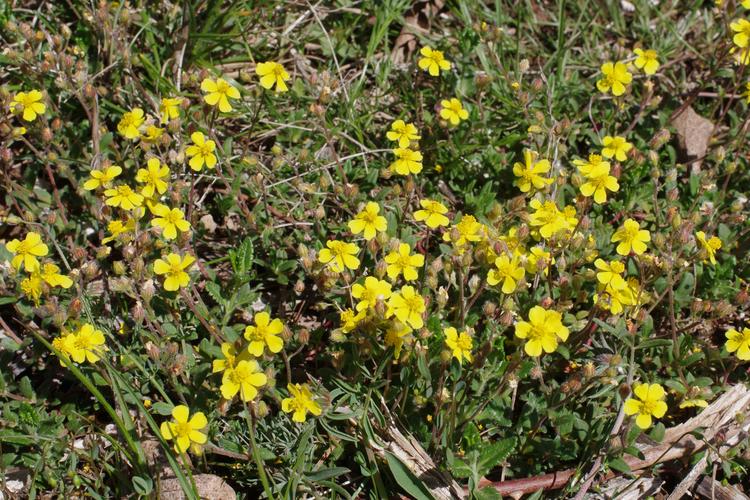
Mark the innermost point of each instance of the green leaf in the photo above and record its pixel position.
(162, 408)
(27, 391)
(214, 290)
(619, 465)
(487, 493)
(654, 343)
(657, 433)
(328, 473)
(492, 455)
(143, 485)
(406, 479)
(242, 258)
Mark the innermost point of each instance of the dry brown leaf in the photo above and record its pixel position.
(693, 135)
(419, 19)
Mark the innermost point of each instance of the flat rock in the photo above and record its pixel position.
(210, 487)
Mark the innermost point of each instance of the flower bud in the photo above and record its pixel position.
(442, 297)
(489, 309)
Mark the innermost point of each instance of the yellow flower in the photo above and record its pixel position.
(432, 214)
(244, 378)
(598, 181)
(616, 147)
(694, 403)
(339, 255)
(186, 432)
(453, 111)
(169, 109)
(610, 274)
(615, 300)
(152, 134)
(371, 292)
(87, 344)
(631, 238)
(741, 27)
(28, 103)
(739, 343)
(230, 358)
(264, 334)
(201, 151)
(459, 344)
(403, 133)
(708, 246)
(408, 306)
(130, 123)
(741, 56)
(124, 197)
(467, 230)
(536, 255)
(300, 402)
(169, 220)
(594, 161)
(403, 262)
(153, 178)
(647, 60)
(368, 221)
(407, 161)
(507, 270)
(543, 330)
(647, 403)
(350, 319)
(616, 77)
(26, 252)
(433, 61)
(218, 92)
(745, 4)
(32, 286)
(530, 173)
(51, 275)
(549, 219)
(173, 268)
(117, 227)
(395, 337)
(102, 178)
(272, 73)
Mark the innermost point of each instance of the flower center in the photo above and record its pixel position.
(257, 333)
(182, 429)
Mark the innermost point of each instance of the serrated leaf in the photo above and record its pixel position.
(214, 290)
(492, 455)
(242, 258)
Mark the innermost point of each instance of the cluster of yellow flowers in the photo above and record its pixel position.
(241, 372)
(616, 76)
(85, 344)
(42, 276)
(408, 157)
